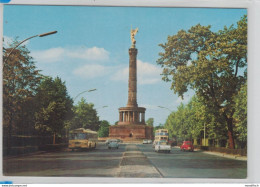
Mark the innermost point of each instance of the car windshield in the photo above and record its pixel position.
(187, 143)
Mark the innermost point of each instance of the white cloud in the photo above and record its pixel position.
(50, 55)
(90, 71)
(93, 53)
(9, 40)
(59, 53)
(146, 73)
(121, 75)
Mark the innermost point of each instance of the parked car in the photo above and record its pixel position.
(145, 141)
(149, 141)
(113, 144)
(187, 146)
(162, 146)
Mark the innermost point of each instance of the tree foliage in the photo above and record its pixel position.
(20, 81)
(187, 123)
(104, 129)
(211, 63)
(53, 106)
(240, 115)
(150, 122)
(85, 116)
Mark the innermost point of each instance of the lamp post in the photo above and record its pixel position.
(165, 108)
(91, 90)
(6, 59)
(39, 35)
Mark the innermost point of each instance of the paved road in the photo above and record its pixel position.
(127, 161)
(101, 162)
(179, 164)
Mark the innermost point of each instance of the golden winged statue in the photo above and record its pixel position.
(133, 33)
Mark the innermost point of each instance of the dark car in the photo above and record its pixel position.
(187, 146)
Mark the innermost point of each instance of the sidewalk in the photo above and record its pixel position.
(135, 164)
(236, 157)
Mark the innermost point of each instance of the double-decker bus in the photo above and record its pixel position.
(161, 135)
(82, 139)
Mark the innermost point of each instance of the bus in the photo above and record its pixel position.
(82, 139)
(161, 135)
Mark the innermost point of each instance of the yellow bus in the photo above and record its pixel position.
(161, 135)
(82, 139)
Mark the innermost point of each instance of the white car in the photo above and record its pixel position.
(149, 141)
(113, 144)
(162, 147)
(145, 141)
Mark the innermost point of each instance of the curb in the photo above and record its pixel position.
(236, 157)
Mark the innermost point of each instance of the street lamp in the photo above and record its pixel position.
(165, 108)
(102, 107)
(39, 35)
(91, 90)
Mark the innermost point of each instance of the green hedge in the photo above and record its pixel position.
(19, 140)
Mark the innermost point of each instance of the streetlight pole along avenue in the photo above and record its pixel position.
(39, 35)
(91, 90)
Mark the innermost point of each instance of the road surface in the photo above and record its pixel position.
(130, 160)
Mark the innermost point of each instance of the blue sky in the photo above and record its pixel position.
(90, 49)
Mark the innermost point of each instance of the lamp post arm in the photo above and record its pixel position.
(165, 108)
(38, 35)
(18, 45)
(84, 92)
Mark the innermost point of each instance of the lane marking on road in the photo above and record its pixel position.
(135, 164)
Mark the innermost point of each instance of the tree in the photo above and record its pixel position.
(85, 116)
(54, 106)
(150, 121)
(160, 126)
(104, 129)
(240, 115)
(213, 64)
(187, 123)
(20, 81)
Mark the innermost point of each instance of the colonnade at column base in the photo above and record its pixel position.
(131, 116)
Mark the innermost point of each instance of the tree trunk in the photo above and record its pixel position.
(230, 133)
(54, 138)
(9, 134)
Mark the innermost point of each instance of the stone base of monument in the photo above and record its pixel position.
(131, 133)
